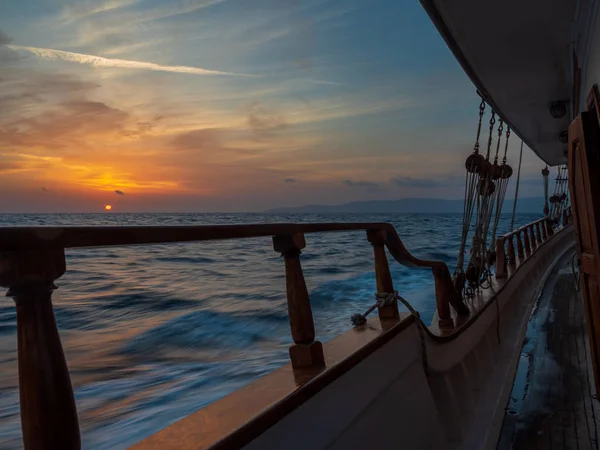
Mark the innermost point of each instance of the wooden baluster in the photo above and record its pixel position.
(526, 240)
(544, 231)
(520, 251)
(538, 233)
(48, 411)
(532, 238)
(549, 228)
(382, 273)
(445, 294)
(511, 251)
(306, 351)
(500, 259)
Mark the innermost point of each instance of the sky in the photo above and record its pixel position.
(230, 106)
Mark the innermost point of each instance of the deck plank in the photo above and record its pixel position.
(553, 406)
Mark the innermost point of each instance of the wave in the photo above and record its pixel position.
(205, 329)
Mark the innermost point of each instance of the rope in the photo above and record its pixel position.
(485, 204)
(512, 221)
(388, 299)
(506, 172)
(473, 166)
(563, 193)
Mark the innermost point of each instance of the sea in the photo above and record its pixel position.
(153, 333)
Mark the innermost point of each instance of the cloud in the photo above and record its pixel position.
(290, 180)
(69, 124)
(99, 61)
(4, 38)
(43, 189)
(82, 9)
(7, 54)
(197, 139)
(118, 192)
(263, 121)
(363, 184)
(9, 166)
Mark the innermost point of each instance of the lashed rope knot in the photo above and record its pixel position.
(383, 299)
(386, 298)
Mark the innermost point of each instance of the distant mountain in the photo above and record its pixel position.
(408, 206)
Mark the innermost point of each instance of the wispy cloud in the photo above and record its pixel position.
(118, 192)
(82, 10)
(290, 180)
(99, 61)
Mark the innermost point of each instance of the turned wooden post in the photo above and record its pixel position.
(48, 411)
(538, 233)
(445, 294)
(382, 273)
(511, 251)
(544, 231)
(526, 240)
(520, 251)
(306, 351)
(548, 223)
(532, 238)
(500, 259)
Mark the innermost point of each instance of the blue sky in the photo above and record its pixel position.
(230, 105)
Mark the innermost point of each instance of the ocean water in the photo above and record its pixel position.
(153, 333)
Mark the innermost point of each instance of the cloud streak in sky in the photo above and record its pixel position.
(99, 61)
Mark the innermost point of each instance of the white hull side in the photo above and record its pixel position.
(387, 401)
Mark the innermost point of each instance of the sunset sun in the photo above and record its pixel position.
(107, 207)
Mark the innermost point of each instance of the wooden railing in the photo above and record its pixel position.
(528, 238)
(32, 259)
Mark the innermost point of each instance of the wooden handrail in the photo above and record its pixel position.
(445, 291)
(31, 259)
(533, 237)
(22, 238)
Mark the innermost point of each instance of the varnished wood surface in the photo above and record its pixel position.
(383, 276)
(505, 250)
(584, 164)
(18, 238)
(48, 412)
(243, 415)
(24, 238)
(553, 405)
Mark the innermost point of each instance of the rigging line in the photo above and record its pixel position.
(512, 221)
(487, 197)
(473, 165)
(498, 175)
(483, 199)
(505, 174)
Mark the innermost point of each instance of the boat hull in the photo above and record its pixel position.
(391, 399)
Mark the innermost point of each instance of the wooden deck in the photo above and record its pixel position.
(553, 404)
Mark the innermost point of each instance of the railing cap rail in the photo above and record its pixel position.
(522, 228)
(28, 238)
